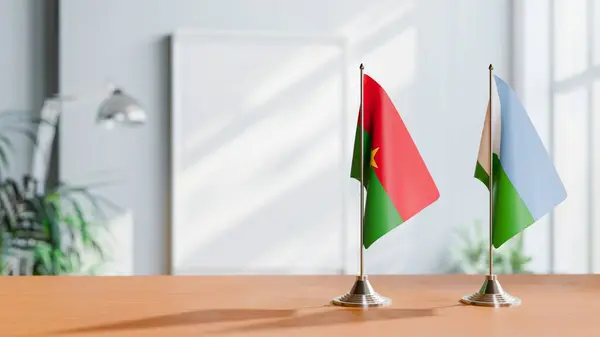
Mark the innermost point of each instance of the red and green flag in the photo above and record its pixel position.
(397, 182)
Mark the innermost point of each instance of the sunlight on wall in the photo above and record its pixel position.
(374, 17)
(315, 59)
(269, 181)
(394, 64)
(249, 174)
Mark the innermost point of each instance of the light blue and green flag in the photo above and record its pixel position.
(526, 185)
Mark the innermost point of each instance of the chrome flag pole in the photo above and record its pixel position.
(491, 293)
(362, 294)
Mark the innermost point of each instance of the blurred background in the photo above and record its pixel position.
(231, 149)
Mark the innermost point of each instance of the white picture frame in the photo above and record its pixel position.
(324, 257)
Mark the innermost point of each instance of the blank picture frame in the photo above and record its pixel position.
(259, 153)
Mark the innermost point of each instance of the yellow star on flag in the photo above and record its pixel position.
(373, 152)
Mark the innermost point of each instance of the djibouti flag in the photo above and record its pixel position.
(526, 185)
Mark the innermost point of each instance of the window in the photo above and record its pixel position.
(557, 72)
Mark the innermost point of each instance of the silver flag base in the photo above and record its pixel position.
(361, 295)
(491, 294)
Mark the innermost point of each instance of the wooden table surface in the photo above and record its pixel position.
(292, 306)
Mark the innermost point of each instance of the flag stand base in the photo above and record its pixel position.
(491, 294)
(361, 295)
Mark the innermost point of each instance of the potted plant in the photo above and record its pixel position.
(54, 227)
(56, 231)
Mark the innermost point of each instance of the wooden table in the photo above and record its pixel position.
(292, 306)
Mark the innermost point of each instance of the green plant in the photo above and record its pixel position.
(54, 226)
(472, 257)
(58, 231)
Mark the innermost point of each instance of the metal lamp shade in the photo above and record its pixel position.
(122, 109)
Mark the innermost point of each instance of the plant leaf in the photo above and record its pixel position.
(83, 224)
(43, 256)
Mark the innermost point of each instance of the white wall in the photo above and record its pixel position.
(22, 68)
(430, 55)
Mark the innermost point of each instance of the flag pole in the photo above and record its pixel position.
(362, 169)
(362, 294)
(491, 293)
(491, 213)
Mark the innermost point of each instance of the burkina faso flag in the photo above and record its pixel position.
(398, 184)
